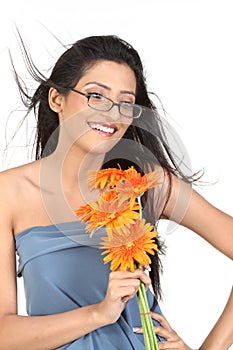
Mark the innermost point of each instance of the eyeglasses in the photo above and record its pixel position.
(104, 104)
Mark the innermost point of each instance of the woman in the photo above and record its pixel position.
(93, 112)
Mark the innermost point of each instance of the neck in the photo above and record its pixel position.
(63, 178)
(73, 165)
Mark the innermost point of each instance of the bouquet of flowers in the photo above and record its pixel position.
(128, 238)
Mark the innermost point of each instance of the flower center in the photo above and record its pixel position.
(129, 244)
(112, 216)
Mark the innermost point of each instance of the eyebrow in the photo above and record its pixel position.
(108, 88)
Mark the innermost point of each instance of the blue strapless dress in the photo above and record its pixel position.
(63, 269)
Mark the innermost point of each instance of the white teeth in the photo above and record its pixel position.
(102, 128)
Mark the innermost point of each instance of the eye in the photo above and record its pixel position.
(126, 103)
(96, 96)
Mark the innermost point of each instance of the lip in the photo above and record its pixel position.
(94, 127)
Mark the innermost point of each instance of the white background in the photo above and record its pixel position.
(186, 47)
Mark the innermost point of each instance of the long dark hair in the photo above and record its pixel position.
(150, 145)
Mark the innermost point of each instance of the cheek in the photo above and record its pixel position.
(73, 104)
(126, 124)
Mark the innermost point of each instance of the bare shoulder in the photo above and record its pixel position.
(188, 208)
(14, 182)
(14, 178)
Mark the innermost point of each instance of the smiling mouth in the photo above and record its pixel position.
(103, 129)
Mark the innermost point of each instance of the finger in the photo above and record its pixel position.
(144, 277)
(162, 332)
(169, 335)
(115, 283)
(126, 283)
(121, 293)
(162, 320)
(128, 276)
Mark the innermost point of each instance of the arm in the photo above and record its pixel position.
(221, 336)
(190, 209)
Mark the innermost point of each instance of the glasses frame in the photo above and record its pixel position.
(88, 96)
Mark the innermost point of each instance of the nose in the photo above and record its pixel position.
(114, 113)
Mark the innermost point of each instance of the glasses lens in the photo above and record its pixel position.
(99, 102)
(102, 103)
(129, 110)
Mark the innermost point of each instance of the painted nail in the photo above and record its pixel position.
(136, 329)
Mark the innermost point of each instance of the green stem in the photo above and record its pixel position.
(146, 319)
(149, 335)
(143, 321)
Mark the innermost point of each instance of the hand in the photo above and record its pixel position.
(122, 286)
(173, 341)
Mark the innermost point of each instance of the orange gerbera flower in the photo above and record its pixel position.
(105, 177)
(135, 184)
(110, 212)
(124, 250)
(112, 215)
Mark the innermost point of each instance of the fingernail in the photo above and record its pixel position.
(124, 299)
(136, 329)
(147, 267)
